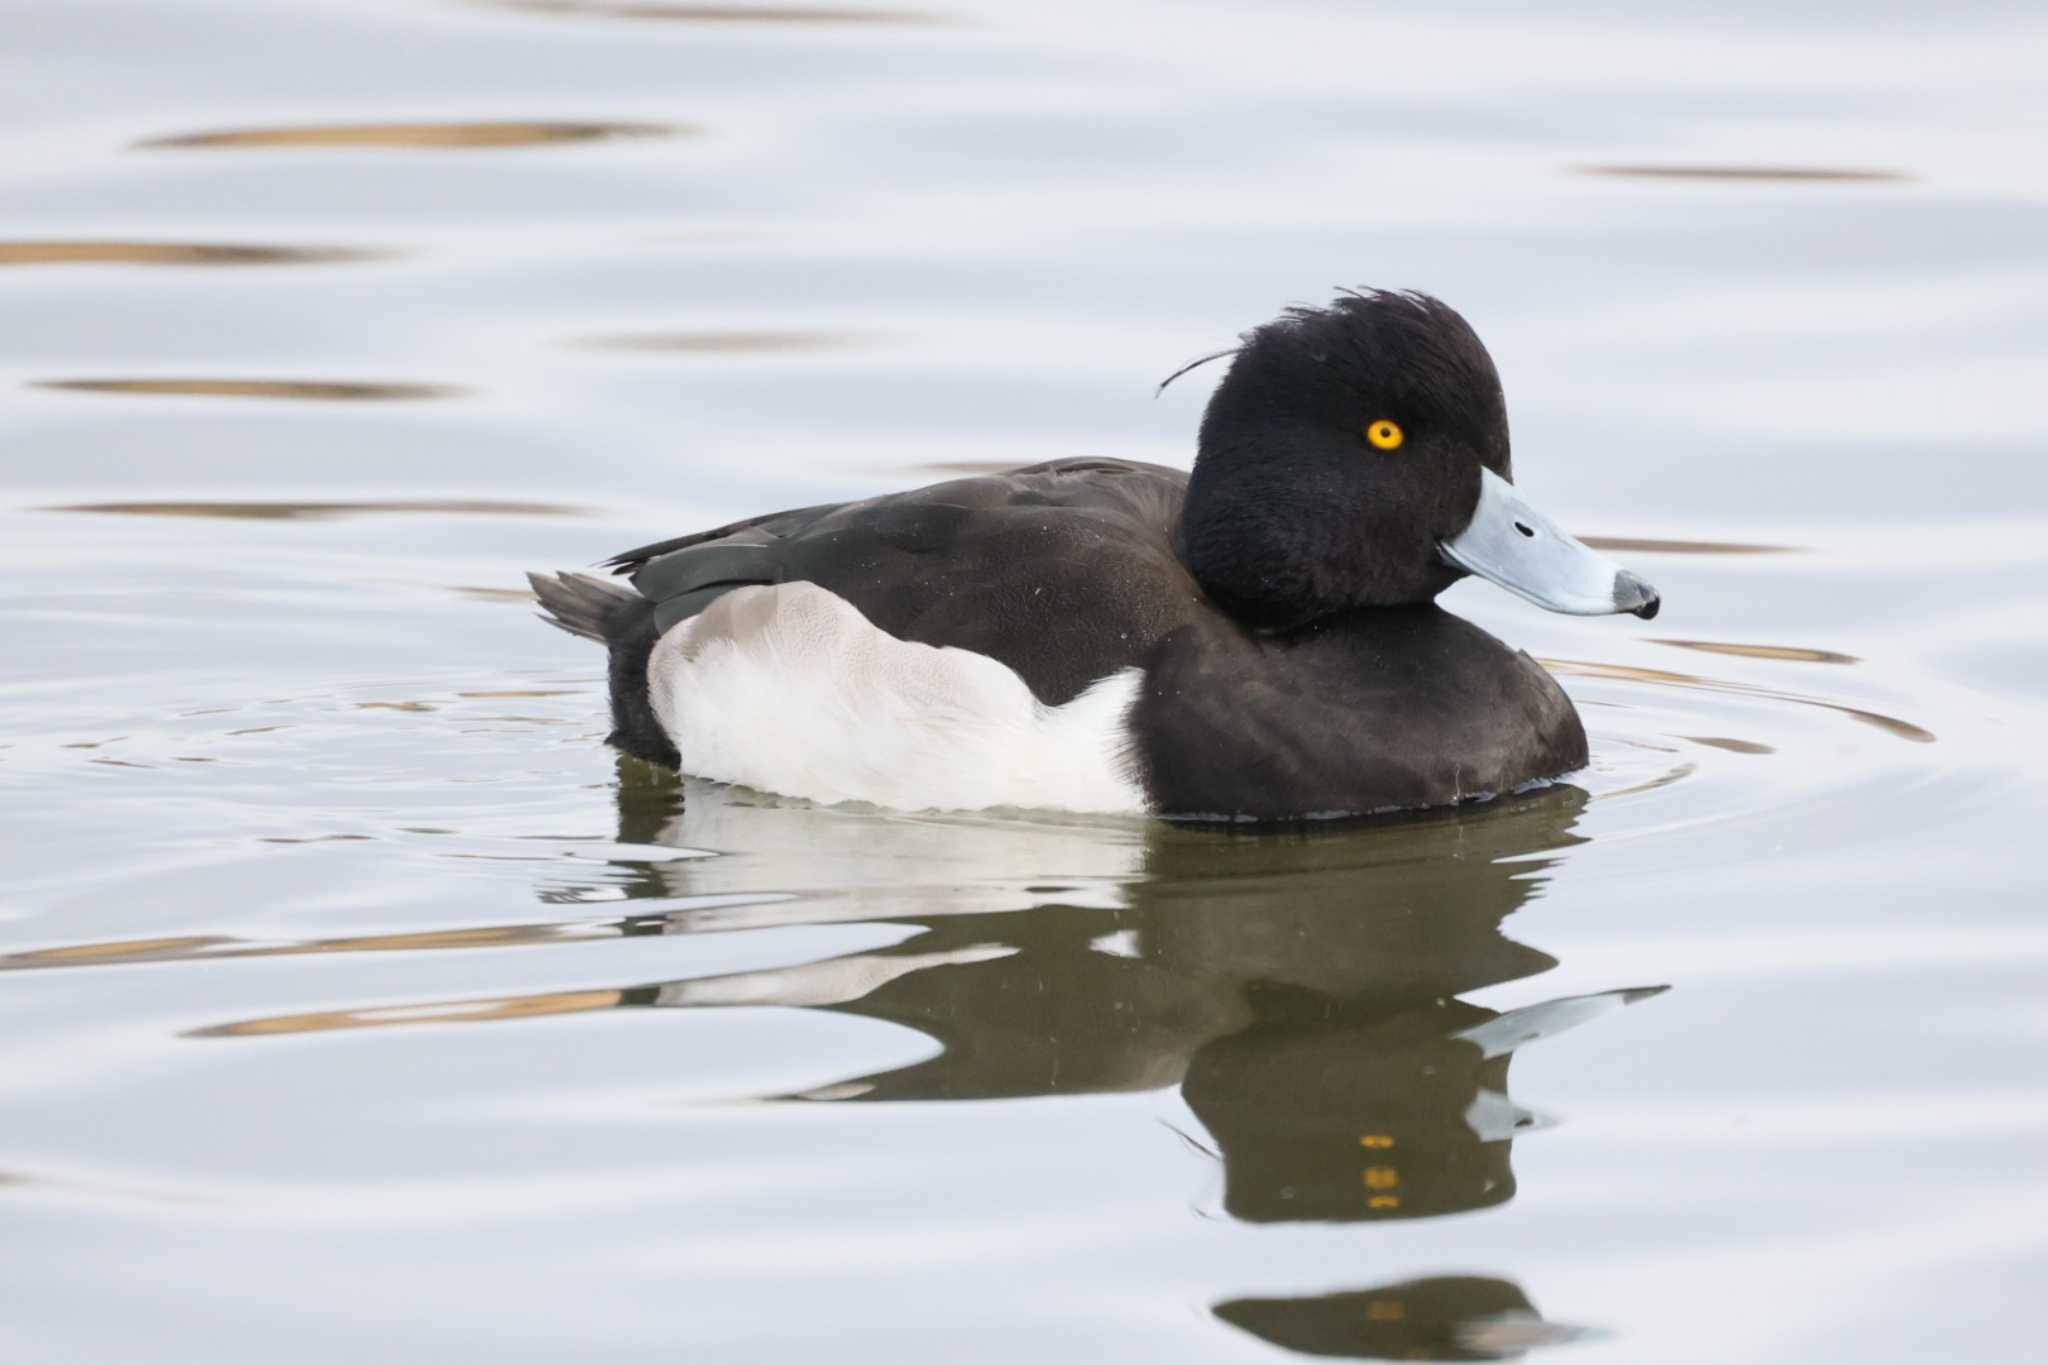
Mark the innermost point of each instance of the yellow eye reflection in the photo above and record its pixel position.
(1385, 434)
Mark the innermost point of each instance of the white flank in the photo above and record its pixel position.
(790, 689)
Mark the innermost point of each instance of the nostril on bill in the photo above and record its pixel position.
(1526, 529)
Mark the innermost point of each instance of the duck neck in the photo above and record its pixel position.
(1253, 555)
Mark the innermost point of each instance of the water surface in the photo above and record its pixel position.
(360, 1005)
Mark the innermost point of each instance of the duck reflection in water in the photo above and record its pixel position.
(1300, 989)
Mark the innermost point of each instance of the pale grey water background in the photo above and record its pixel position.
(360, 1006)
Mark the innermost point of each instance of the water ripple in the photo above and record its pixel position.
(1791, 654)
(1756, 174)
(437, 136)
(313, 511)
(315, 390)
(734, 342)
(1902, 729)
(718, 14)
(58, 251)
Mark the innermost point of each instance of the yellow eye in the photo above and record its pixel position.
(1386, 435)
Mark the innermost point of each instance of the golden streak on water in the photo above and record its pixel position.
(672, 11)
(1905, 730)
(1733, 746)
(521, 692)
(125, 950)
(1756, 174)
(725, 342)
(218, 947)
(317, 390)
(439, 136)
(312, 511)
(1640, 546)
(1664, 779)
(56, 252)
(430, 1012)
(1792, 654)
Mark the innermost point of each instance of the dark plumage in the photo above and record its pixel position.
(623, 621)
(1370, 710)
(1289, 516)
(1279, 600)
(1027, 567)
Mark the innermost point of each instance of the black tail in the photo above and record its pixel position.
(583, 605)
(622, 621)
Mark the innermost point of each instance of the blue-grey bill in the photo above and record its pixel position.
(1511, 543)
